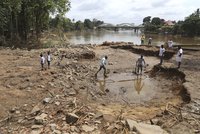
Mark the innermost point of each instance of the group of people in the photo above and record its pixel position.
(43, 60)
(143, 40)
(140, 63)
(178, 56)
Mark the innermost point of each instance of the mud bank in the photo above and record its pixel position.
(68, 99)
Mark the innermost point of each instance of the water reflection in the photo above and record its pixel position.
(102, 84)
(138, 84)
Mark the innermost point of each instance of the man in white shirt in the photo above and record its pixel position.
(103, 65)
(42, 61)
(170, 43)
(179, 56)
(140, 64)
(161, 54)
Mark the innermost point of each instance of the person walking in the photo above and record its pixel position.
(179, 56)
(48, 59)
(140, 63)
(42, 61)
(103, 63)
(161, 54)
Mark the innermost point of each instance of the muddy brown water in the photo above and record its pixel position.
(128, 87)
(100, 36)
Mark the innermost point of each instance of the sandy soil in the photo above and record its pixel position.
(72, 85)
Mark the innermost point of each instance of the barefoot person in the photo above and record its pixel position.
(42, 61)
(102, 66)
(161, 54)
(140, 64)
(48, 59)
(179, 56)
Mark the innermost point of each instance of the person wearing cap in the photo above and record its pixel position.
(103, 63)
(140, 64)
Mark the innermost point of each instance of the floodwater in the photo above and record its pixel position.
(128, 87)
(98, 37)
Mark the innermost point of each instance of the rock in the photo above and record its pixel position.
(97, 122)
(107, 90)
(71, 118)
(73, 128)
(20, 120)
(35, 110)
(65, 127)
(53, 126)
(72, 92)
(51, 84)
(87, 55)
(25, 105)
(39, 120)
(12, 110)
(130, 124)
(17, 112)
(115, 72)
(87, 128)
(142, 128)
(110, 128)
(98, 115)
(8, 86)
(36, 131)
(36, 126)
(56, 132)
(196, 131)
(46, 100)
(109, 118)
(57, 103)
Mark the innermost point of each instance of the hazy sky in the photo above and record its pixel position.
(131, 11)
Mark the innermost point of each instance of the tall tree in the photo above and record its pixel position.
(156, 21)
(147, 19)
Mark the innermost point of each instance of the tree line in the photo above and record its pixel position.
(23, 19)
(189, 27)
(66, 24)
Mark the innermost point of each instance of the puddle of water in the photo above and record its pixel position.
(128, 87)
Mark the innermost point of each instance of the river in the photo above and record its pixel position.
(98, 37)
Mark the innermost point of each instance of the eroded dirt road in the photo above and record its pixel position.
(72, 88)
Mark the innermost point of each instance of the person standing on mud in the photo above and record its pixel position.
(170, 43)
(103, 66)
(161, 54)
(150, 40)
(142, 39)
(42, 61)
(139, 65)
(48, 59)
(179, 56)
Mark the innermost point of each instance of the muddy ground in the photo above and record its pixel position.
(67, 98)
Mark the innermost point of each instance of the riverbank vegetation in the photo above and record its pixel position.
(21, 20)
(189, 27)
(66, 24)
(24, 22)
